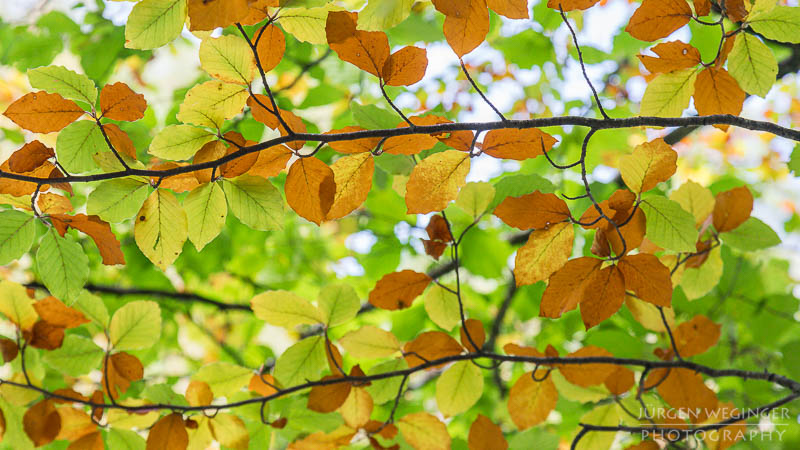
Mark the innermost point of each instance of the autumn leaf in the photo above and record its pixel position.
(533, 211)
(29, 157)
(477, 335)
(42, 422)
(566, 286)
(656, 19)
(732, 208)
(429, 346)
(119, 102)
(97, 229)
(513, 9)
(648, 278)
(55, 312)
(328, 397)
(530, 401)
(424, 431)
(620, 381)
(587, 374)
(310, 189)
(270, 47)
(684, 389)
(119, 371)
(466, 29)
(405, 66)
(603, 295)
(353, 178)
(546, 251)
(696, 336)
(398, 290)
(518, 144)
(485, 435)
(120, 140)
(571, 5)
(716, 92)
(673, 55)
(367, 50)
(210, 14)
(435, 181)
(41, 112)
(169, 433)
(355, 145)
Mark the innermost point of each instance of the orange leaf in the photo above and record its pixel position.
(476, 332)
(179, 183)
(9, 348)
(238, 166)
(466, 30)
(259, 384)
(49, 203)
(209, 14)
(674, 55)
(512, 143)
(702, 7)
(119, 102)
(409, 144)
(211, 151)
(513, 9)
(354, 146)
(684, 389)
(405, 66)
(514, 349)
(91, 441)
(603, 295)
(46, 336)
(169, 433)
(732, 208)
(328, 397)
(485, 435)
(74, 423)
(716, 92)
(435, 181)
(57, 313)
(270, 47)
(120, 140)
(198, 393)
(353, 177)
(648, 278)
(620, 381)
(367, 50)
(535, 210)
(122, 370)
(41, 112)
(530, 401)
(632, 232)
(696, 336)
(566, 286)
(264, 115)
(656, 19)
(310, 189)
(29, 157)
(271, 161)
(735, 10)
(591, 217)
(571, 5)
(451, 7)
(398, 290)
(429, 346)
(424, 431)
(95, 228)
(587, 374)
(42, 422)
(21, 188)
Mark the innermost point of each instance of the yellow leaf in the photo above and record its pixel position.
(546, 251)
(694, 198)
(161, 228)
(424, 432)
(668, 94)
(529, 401)
(357, 408)
(370, 342)
(353, 177)
(435, 181)
(211, 103)
(459, 388)
(285, 309)
(228, 58)
(649, 164)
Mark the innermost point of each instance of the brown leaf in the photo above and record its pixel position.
(119, 102)
(271, 161)
(122, 370)
(603, 295)
(29, 157)
(566, 286)
(354, 146)
(367, 50)
(429, 346)
(513, 9)
(91, 441)
(270, 47)
(518, 144)
(120, 140)
(206, 15)
(42, 422)
(648, 278)
(9, 348)
(476, 332)
(46, 336)
(571, 5)
(673, 55)
(397, 290)
(438, 230)
(587, 374)
(334, 357)
(405, 66)
(95, 228)
(530, 401)
(696, 336)
(535, 210)
(702, 7)
(735, 10)
(57, 313)
(656, 19)
(211, 151)
(310, 189)
(485, 435)
(41, 112)
(352, 175)
(263, 386)
(514, 349)
(716, 92)
(466, 30)
(328, 397)
(69, 393)
(169, 433)
(732, 208)
(620, 381)
(22, 188)
(684, 389)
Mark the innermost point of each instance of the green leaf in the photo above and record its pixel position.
(161, 228)
(224, 379)
(120, 439)
(373, 118)
(77, 356)
(62, 266)
(135, 326)
(16, 234)
(77, 143)
(752, 64)
(370, 342)
(442, 307)
(307, 24)
(93, 308)
(697, 282)
(695, 199)
(62, 81)
(781, 23)
(301, 362)
(338, 303)
(285, 309)
(386, 389)
(603, 415)
(255, 201)
(577, 393)
(794, 160)
(211, 103)
(519, 185)
(474, 198)
(16, 305)
(179, 142)
(163, 393)
(380, 15)
(14, 435)
(228, 58)
(117, 200)
(458, 388)
(153, 23)
(668, 94)
(668, 225)
(206, 210)
(753, 234)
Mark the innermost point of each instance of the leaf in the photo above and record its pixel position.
(56, 313)
(119, 371)
(136, 325)
(62, 81)
(230, 431)
(485, 435)
(209, 104)
(668, 225)
(307, 24)
(684, 389)
(571, 5)
(41, 112)
(179, 142)
(566, 286)
(697, 282)
(716, 92)
(310, 189)
(93, 308)
(466, 30)
(779, 23)
(353, 178)
(668, 94)
(301, 362)
(153, 23)
(732, 208)
(424, 431)
(16, 305)
(752, 64)
(435, 181)
(62, 265)
(442, 307)
(603, 295)
(517, 144)
(429, 346)
(255, 201)
(224, 379)
(119, 102)
(228, 58)
(271, 47)
(198, 393)
(672, 56)
(477, 335)
(210, 14)
(161, 228)
(77, 356)
(386, 389)
(513, 9)
(405, 66)
(398, 290)
(169, 433)
(357, 408)
(529, 401)
(285, 309)
(338, 303)
(117, 200)
(546, 251)
(474, 198)
(31, 156)
(752, 234)
(370, 342)
(120, 141)
(649, 164)
(367, 50)
(535, 210)
(99, 231)
(76, 145)
(648, 278)
(586, 375)
(17, 230)
(694, 198)
(124, 439)
(602, 415)
(328, 398)
(620, 381)
(42, 422)
(656, 19)
(459, 388)
(382, 15)
(696, 336)
(206, 210)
